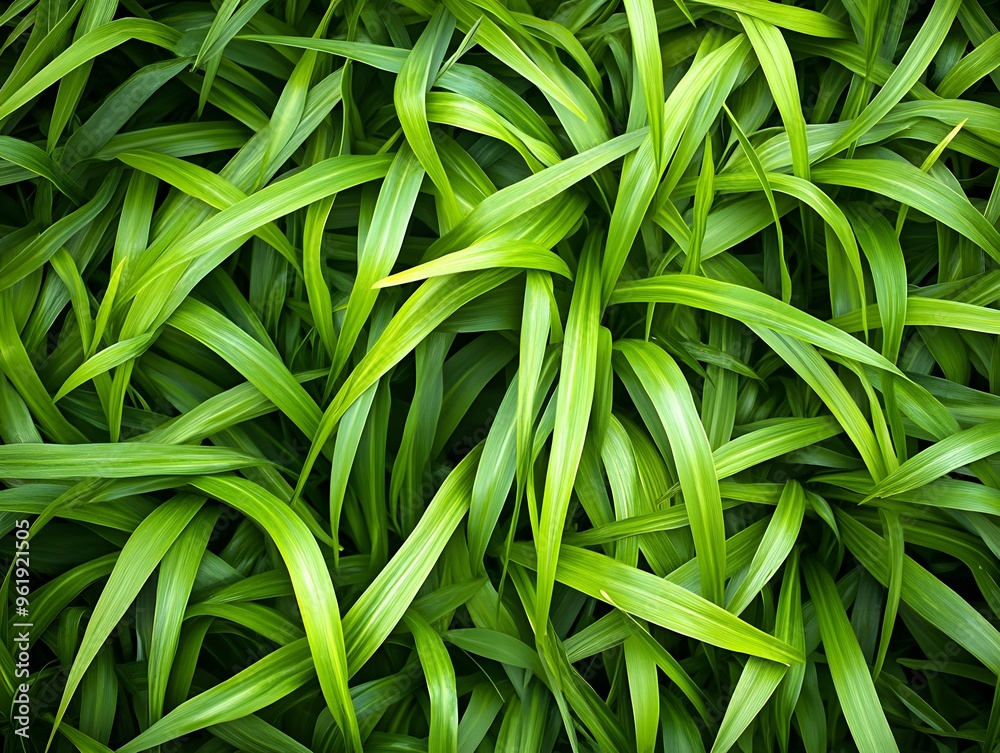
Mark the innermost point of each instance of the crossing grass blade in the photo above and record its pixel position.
(664, 603)
(178, 570)
(950, 453)
(147, 545)
(851, 678)
(119, 460)
(441, 683)
(778, 540)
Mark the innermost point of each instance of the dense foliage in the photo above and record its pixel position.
(500, 376)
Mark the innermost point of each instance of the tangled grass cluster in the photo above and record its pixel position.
(489, 375)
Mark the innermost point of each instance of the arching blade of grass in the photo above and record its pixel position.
(313, 587)
(692, 455)
(268, 680)
(576, 389)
